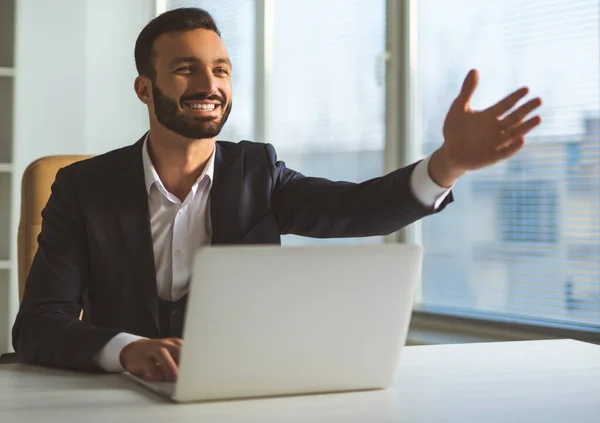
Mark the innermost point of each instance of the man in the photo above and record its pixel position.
(120, 229)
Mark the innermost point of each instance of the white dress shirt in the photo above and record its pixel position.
(172, 222)
(180, 228)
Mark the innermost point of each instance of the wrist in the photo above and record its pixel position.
(125, 351)
(442, 169)
(123, 355)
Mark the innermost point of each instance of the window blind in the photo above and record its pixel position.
(327, 84)
(523, 237)
(329, 91)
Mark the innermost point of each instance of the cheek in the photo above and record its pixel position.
(226, 90)
(175, 88)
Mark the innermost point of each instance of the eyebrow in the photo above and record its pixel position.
(191, 59)
(223, 61)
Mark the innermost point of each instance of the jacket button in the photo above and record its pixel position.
(174, 310)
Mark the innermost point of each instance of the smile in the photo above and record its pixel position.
(201, 106)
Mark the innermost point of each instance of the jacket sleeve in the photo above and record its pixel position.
(320, 208)
(47, 330)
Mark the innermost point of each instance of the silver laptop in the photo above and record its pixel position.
(268, 321)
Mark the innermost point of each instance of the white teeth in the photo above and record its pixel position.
(202, 106)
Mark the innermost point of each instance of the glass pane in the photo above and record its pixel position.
(328, 90)
(235, 20)
(523, 237)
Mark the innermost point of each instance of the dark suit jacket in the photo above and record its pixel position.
(95, 247)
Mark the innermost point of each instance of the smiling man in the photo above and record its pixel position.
(120, 230)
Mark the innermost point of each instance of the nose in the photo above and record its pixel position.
(206, 82)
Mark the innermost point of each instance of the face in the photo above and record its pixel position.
(191, 92)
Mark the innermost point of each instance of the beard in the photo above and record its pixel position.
(169, 114)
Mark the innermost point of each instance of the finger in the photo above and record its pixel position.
(519, 114)
(138, 370)
(157, 370)
(176, 354)
(150, 371)
(510, 150)
(468, 88)
(168, 367)
(174, 348)
(154, 374)
(507, 102)
(175, 341)
(521, 129)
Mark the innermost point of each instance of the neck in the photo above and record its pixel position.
(178, 161)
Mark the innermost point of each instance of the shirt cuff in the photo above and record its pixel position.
(109, 357)
(430, 194)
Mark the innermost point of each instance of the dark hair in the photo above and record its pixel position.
(183, 19)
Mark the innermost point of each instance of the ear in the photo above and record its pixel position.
(143, 89)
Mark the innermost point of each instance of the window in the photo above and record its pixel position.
(328, 90)
(327, 85)
(527, 213)
(523, 237)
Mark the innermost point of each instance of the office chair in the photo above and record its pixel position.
(35, 191)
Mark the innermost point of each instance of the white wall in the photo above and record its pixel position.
(74, 87)
(50, 80)
(114, 116)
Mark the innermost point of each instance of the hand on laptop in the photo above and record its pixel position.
(155, 360)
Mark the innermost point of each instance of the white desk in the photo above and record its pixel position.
(508, 382)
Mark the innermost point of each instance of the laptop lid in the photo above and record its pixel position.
(267, 320)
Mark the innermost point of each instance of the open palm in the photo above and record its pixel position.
(476, 139)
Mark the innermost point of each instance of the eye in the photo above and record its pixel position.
(222, 71)
(184, 69)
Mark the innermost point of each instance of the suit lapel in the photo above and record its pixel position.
(225, 195)
(131, 207)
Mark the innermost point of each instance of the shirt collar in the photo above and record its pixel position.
(151, 175)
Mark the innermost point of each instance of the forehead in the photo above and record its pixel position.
(202, 44)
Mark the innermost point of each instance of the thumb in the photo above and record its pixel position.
(468, 88)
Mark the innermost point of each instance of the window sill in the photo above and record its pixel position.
(437, 326)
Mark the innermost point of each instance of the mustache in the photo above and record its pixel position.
(201, 96)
